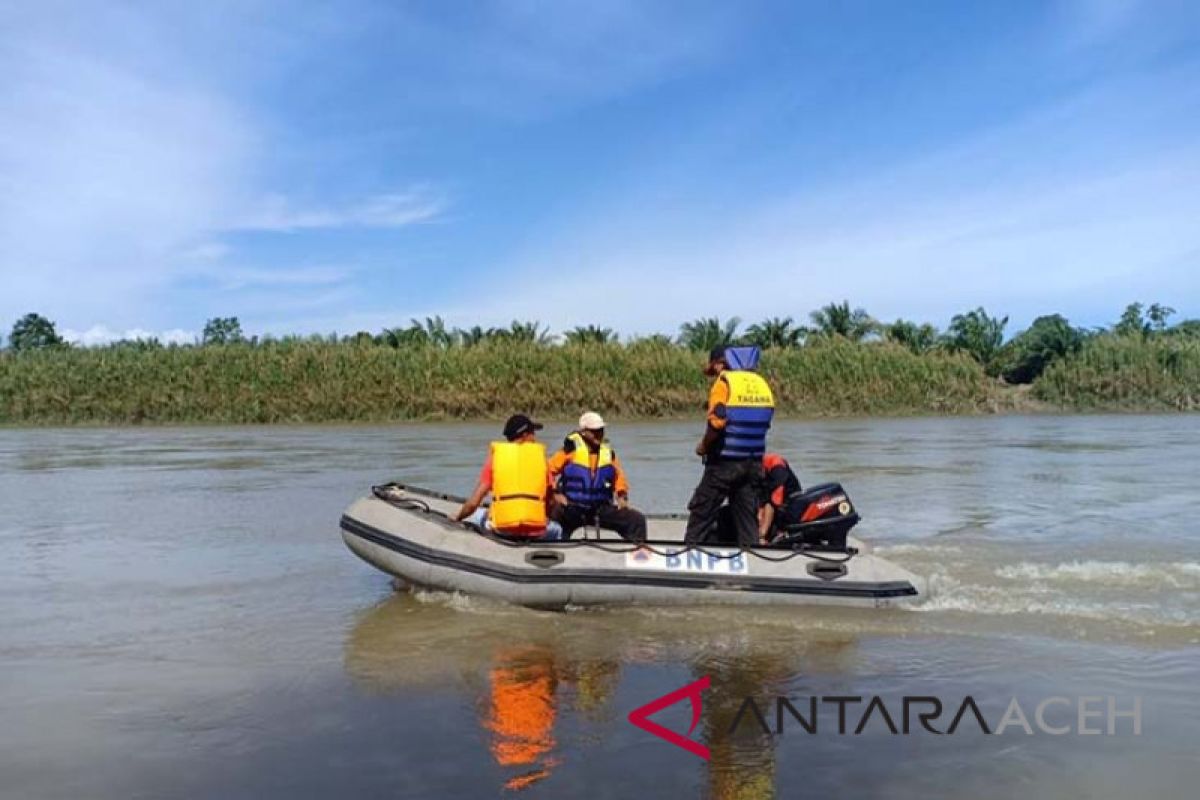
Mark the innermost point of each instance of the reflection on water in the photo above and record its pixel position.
(568, 668)
(741, 766)
(550, 694)
(526, 685)
(520, 713)
(560, 668)
(181, 620)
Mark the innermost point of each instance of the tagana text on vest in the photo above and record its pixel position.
(748, 415)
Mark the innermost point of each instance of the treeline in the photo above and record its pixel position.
(841, 362)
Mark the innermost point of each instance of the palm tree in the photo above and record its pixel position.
(979, 335)
(434, 331)
(1157, 316)
(531, 332)
(776, 332)
(590, 334)
(412, 336)
(470, 337)
(658, 340)
(837, 319)
(1137, 320)
(1132, 322)
(708, 332)
(918, 338)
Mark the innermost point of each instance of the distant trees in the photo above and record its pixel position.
(838, 319)
(979, 335)
(658, 340)
(471, 336)
(528, 332)
(222, 330)
(432, 332)
(1026, 357)
(589, 334)
(918, 338)
(976, 333)
(1135, 322)
(403, 337)
(1189, 327)
(708, 332)
(776, 332)
(34, 332)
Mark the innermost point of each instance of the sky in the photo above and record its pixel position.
(322, 167)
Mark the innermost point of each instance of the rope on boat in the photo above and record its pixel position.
(386, 493)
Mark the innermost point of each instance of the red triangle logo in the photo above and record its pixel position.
(641, 717)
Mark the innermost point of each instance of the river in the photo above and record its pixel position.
(181, 619)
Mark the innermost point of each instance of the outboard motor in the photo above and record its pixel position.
(826, 516)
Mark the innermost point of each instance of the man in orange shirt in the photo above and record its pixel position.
(591, 485)
(780, 490)
(518, 430)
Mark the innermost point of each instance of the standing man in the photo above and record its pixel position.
(740, 408)
(591, 484)
(515, 473)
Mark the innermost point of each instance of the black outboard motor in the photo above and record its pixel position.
(825, 515)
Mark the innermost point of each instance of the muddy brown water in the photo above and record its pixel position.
(181, 619)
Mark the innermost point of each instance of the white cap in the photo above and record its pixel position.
(591, 421)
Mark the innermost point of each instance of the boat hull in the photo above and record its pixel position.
(421, 545)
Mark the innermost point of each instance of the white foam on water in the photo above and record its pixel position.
(947, 593)
(917, 548)
(462, 602)
(1181, 575)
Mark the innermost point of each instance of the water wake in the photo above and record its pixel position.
(1183, 575)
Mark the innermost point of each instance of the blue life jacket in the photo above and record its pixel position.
(748, 415)
(582, 485)
(743, 357)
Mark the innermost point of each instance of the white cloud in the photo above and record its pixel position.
(105, 173)
(230, 278)
(393, 210)
(123, 165)
(205, 252)
(532, 59)
(1080, 208)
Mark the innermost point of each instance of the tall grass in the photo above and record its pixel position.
(1160, 373)
(305, 381)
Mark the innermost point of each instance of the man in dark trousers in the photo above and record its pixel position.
(740, 408)
(591, 485)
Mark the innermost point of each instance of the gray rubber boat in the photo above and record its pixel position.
(409, 533)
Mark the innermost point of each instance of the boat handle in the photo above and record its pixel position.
(826, 571)
(544, 558)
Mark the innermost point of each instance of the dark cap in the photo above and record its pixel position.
(519, 425)
(717, 353)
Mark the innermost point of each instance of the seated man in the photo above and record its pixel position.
(516, 474)
(589, 477)
(780, 488)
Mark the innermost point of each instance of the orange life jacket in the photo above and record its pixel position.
(519, 478)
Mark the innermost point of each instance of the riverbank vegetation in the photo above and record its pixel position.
(843, 363)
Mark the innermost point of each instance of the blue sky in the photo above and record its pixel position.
(346, 166)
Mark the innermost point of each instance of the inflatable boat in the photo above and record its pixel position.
(410, 534)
